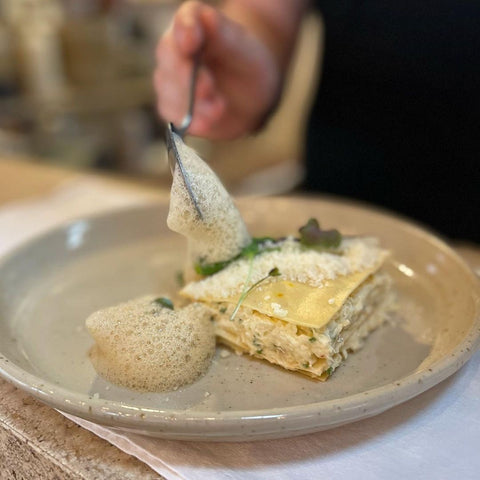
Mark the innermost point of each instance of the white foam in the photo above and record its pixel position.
(221, 234)
(147, 347)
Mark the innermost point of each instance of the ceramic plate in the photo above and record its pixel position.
(50, 285)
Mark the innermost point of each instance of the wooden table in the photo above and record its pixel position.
(37, 442)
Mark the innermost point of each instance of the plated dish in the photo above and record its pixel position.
(303, 302)
(49, 287)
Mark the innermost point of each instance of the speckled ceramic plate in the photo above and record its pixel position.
(50, 285)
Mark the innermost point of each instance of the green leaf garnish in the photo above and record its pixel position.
(329, 371)
(164, 302)
(274, 272)
(312, 236)
(179, 277)
(207, 269)
(256, 246)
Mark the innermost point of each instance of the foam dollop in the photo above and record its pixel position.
(144, 346)
(221, 234)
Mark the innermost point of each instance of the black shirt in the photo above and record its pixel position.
(397, 118)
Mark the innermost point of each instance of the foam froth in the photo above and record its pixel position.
(221, 234)
(144, 346)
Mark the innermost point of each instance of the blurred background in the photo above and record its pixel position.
(76, 91)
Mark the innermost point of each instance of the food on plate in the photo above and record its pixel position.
(301, 303)
(299, 307)
(146, 345)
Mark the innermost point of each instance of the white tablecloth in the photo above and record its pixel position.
(434, 436)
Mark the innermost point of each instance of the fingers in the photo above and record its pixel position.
(207, 116)
(172, 96)
(227, 42)
(188, 29)
(172, 76)
(235, 81)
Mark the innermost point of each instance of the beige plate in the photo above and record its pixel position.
(50, 285)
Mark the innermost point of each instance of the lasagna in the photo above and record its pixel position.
(299, 302)
(307, 317)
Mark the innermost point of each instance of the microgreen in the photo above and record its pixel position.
(207, 269)
(274, 272)
(255, 247)
(179, 277)
(164, 302)
(312, 236)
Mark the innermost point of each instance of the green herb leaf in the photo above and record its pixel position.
(256, 246)
(164, 302)
(312, 236)
(312, 339)
(274, 272)
(329, 371)
(206, 269)
(180, 278)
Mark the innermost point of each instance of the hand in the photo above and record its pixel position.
(238, 82)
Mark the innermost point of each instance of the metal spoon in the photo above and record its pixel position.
(174, 157)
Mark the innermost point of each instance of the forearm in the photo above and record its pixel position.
(274, 22)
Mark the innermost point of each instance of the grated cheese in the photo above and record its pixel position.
(295, 264)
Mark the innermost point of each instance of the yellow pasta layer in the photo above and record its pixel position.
(302, 304)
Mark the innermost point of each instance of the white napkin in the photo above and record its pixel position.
(433, 436)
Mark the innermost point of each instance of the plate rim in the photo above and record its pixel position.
(114, 413)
